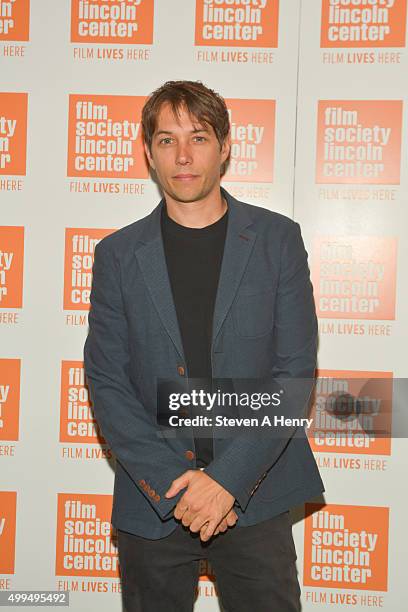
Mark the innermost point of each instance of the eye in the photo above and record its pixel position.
(165, 140)
(200, 138)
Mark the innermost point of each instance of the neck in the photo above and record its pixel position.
(197, 214)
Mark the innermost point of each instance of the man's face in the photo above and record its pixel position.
(186, 156)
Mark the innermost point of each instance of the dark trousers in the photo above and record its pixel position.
(255, 569)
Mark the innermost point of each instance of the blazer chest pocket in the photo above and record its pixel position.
(252, 313)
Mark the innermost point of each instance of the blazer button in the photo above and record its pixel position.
(189, 455)
(152, 492)
(181, 370)
(142, 482)
(157, 497)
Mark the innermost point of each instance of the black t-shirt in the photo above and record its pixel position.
(194, 257)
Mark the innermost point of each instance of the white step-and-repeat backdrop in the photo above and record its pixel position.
(317, 94)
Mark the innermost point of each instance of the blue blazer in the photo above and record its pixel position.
(264, 325)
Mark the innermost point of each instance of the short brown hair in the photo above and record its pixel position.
(201, 102)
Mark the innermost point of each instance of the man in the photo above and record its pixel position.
(203, 287)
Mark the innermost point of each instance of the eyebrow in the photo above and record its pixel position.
(191, 131)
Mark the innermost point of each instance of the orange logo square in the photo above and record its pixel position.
(246, 24)
(351, 412)
(8, 505)
(359, 142)
(86, 543)
(252, 140)
(11, 266)
(113, 22)
(346, 547)
(13, 133)
(105, 137)
(77, 423)
(355, 277)
(80, 245)
(9, 398)
(14, 20)
(363, 24)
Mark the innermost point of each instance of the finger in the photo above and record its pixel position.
(187, 519)
(212, 525)
(180, 509)
(179, 483)
(228, 521)
(223, 526)
(231, 519)
(197, 524)
(203, 529)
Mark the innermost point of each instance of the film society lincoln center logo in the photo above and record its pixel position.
(237, 23)
(11, 266)
(14, 20)
(346, 547)
(9, 398)
(112, 22)
(359, 141)
(80, 246)
(13, 133)
(86, 543)
(105, 137)
(355, 277)
(252, 140)
(358, 23)
(77, 422)
(351, 412)
(8, 505)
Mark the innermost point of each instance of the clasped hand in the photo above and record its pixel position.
(205, 507)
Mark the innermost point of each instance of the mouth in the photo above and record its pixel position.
(185, 178)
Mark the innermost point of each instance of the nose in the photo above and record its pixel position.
(183, 154)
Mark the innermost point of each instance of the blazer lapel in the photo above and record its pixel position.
(239, 242)
(152, 261)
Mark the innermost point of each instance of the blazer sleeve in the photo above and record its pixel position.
(128, 428)
(245, 461)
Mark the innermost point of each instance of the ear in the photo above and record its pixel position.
(148, 155)
(226, 147)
